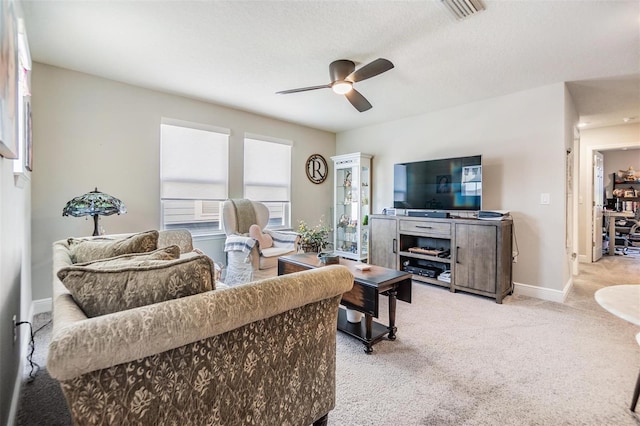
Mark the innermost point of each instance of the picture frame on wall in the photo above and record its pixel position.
(8, 81)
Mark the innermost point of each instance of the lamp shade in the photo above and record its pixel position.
(94, 203)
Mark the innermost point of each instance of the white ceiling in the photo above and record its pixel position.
(239, 53)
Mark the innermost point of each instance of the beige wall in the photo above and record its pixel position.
(522, 139)
(91, 132)
(95, 132)
(604, 138)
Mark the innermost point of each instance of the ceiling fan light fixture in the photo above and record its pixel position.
(344, 75)
(342, 87)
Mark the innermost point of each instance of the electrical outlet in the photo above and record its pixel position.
(15, 330)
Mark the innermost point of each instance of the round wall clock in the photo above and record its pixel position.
(317, 169)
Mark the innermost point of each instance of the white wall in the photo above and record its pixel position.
(522, 140)
(604, 138)
(91, 132)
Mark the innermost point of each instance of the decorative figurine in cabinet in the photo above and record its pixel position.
(351, 207)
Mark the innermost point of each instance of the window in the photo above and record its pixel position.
(267, 176)
(24, 163)
(193, 176)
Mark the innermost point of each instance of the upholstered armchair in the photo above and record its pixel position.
(261, 250)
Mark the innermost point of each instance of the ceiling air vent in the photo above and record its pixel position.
(463, 8)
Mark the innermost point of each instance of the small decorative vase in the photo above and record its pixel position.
(354, 316)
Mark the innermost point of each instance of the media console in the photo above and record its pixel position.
(462, 254)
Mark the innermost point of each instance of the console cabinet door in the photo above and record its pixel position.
(383, 243)
(476, 257)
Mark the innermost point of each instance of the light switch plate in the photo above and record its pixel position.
(545, 198)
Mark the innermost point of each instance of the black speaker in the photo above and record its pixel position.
(427, 213)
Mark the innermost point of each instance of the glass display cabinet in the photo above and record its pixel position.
(351, 205)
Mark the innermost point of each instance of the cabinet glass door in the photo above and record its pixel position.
(351, 206)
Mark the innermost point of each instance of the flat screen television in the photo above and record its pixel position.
(446, 184)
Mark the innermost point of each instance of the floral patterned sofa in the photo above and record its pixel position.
(257, 354)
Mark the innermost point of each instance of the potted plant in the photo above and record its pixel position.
(313, 239)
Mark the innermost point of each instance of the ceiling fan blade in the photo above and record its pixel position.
(372, 69)
(357, 100)
(303, 89)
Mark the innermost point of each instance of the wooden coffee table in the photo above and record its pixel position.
(363, 297)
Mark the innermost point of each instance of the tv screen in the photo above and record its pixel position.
(447, 184)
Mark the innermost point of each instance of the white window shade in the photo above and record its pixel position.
(193, 163)
(267, 170)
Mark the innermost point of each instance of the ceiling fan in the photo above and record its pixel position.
(343, 74)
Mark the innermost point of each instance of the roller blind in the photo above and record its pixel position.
(267, 170)
(193, 176)
(193, 163)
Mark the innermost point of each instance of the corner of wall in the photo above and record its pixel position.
(548, 294)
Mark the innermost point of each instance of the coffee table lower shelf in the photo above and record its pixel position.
(359, 330)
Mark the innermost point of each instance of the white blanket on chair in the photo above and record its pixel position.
(239, 243)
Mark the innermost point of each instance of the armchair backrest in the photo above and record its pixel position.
(233, 208)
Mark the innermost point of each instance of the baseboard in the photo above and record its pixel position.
(543, 293)
(41, 305)
(17, 387)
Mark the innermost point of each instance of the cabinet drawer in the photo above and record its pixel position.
(439, 229)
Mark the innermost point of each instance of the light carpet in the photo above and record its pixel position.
(461, 359)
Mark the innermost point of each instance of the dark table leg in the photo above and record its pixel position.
(392, 314)
(322, 421)
(368, 320)
(636, 393)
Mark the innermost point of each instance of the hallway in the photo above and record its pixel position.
(609, 270)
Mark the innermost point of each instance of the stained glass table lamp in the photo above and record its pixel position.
(94, 203)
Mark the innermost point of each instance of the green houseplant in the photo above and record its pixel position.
(313, 239)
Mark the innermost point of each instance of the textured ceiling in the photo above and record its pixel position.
(239, 53)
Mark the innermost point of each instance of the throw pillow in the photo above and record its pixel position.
(264, 240)
(104, 287)
(137, 259)
(86, 250)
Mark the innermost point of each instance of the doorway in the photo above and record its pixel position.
(616, 159)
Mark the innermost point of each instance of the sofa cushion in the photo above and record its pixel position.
(269, 258)
(276, 252)
(118, 284)
(86, 250)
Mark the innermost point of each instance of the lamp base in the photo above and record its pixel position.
(95, 225)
